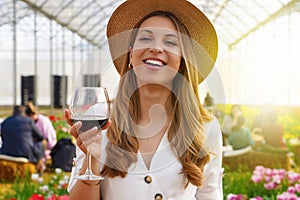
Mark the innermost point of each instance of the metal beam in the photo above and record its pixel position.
(220, 9)
(89, 18)
(64, 7)
(10, 19)
(80, 11)
(95, 24)
(49, 16)
(15, 51)
(272, 17)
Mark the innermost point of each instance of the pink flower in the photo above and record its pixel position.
(235, 197)
(53, 197)
(297, 187)
(275, 172)
(269, 172)
(293, 177)
(282, 172)
(63, 197)
(256, 178)
(287, 196)
(64, 129)
(270, 185)
(36, 197)
(259, 169)
(291, 190)
(267, 178)
(277, 179)
(256, 198)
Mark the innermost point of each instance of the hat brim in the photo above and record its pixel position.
(129, 13)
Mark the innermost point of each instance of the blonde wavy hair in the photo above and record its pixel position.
(186, 133)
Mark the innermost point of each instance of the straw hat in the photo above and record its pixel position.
(129, 13)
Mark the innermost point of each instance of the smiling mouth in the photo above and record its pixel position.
(156, 63)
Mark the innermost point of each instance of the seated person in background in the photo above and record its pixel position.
(240, 136)
(44, 124)
(230, 120)
(273, 136)
(1, 120)
(18, 133)
(260, 120)
(208, 100)
(273, 132)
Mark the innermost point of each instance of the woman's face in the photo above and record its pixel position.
(156, 52)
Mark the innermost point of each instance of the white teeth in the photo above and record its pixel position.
(154, 62)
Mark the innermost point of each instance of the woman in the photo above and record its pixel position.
(160, 142)
(44, 125)
(240, 136)
(230, 120)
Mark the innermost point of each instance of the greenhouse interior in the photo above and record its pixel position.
(50, 47)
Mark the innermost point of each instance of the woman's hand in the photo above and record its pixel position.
(89, 139)
(68, 117)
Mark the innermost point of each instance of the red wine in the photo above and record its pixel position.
(89, 122)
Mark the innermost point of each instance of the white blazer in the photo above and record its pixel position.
(166, 179)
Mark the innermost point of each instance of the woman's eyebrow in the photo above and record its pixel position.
(172, 35)
(146, 30)
(168, 34)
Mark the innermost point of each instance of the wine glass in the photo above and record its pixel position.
(90, 106)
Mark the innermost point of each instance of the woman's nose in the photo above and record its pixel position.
(156, 47)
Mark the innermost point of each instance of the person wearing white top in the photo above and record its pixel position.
(160, 142)
(164, 174)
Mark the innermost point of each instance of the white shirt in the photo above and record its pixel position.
(165, 171)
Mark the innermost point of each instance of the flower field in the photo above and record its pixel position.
(260, 184)
(51, 186)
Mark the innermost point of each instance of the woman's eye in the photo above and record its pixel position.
(145, 39)
(171, 43)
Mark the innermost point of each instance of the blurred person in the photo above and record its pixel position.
(261, 119)
(19, 134)
(1, 120)
(208, 100)
(272, 132)
(230, 120)
(44, 124)
(240, 136)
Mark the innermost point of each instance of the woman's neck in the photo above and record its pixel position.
(34, 117)
(155, 114)
(154, 101)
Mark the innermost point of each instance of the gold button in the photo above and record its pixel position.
(158, 196)
(148, 179)
(74, 163)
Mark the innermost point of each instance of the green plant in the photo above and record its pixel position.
(36, 188)
(263, 183)
(61, 127)
(291, 125)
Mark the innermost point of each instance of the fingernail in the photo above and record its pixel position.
(77, 124)
(95, 128)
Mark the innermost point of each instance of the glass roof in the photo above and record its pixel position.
(233, 19)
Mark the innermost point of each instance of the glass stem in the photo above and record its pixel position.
(89, 162)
